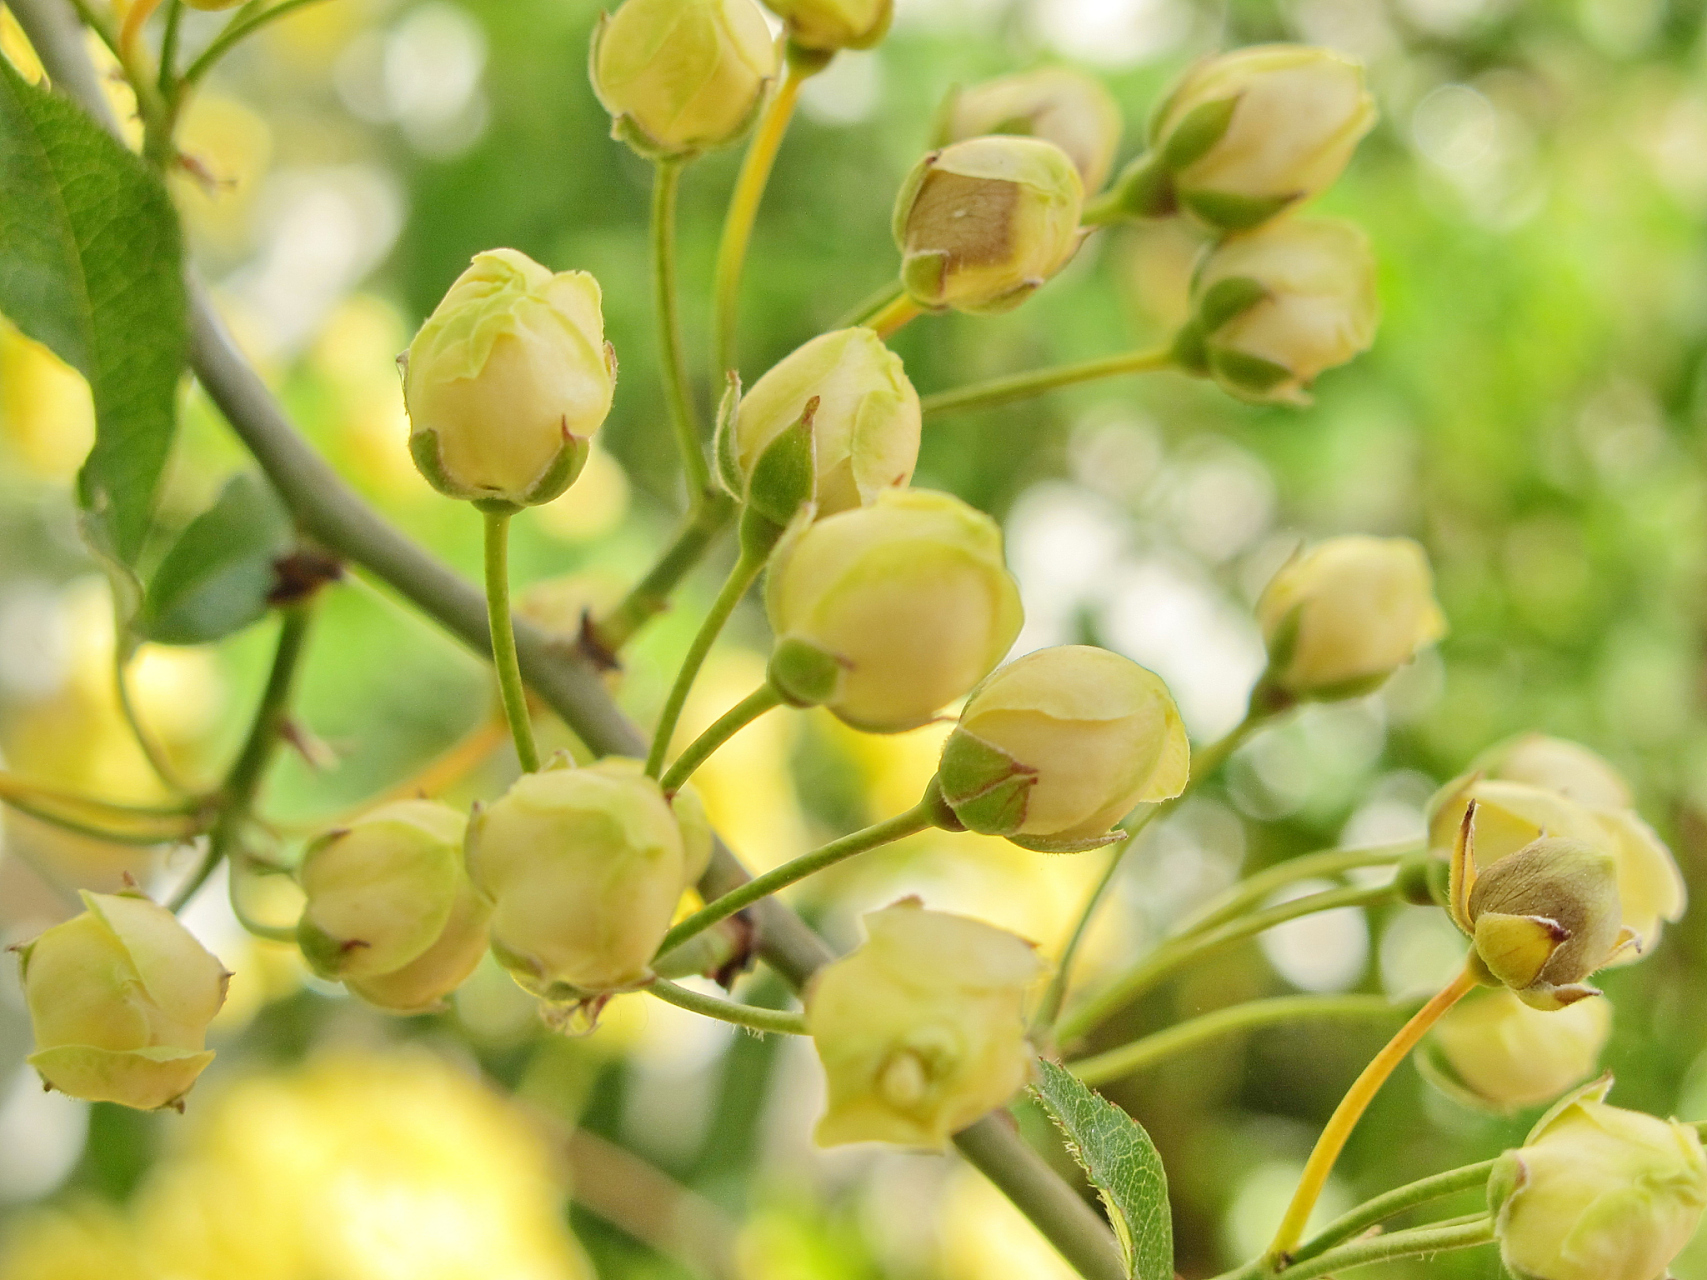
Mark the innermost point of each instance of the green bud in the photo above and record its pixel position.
(582, 869)
(1495, 1053)
(983, 223)
(1057, 104)
(908, 596)
(507, 381)
(119, 1000)
(682, 76)
(828, 25)
(1598, 1193)
(920, 1030)
(389, 909)
(1054, 749)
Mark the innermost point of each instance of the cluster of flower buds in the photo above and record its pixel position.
(864, 425)
(1597, 1192)
(824, 26)
(507, 381)
(120, 998)
(920, 1030)
(682, 76)
(1343, 616)
(389, 910)
(887, 613)
(1536, 785)
(1057, 104)
(1493, 1052)
(1054, 749)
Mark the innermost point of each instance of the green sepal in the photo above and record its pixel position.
(1508, 1177)
(922, 276)
(1245, 372)
(1006, 301)
(424, 449)
(723, 445)
(1203, 126)
(1046, 844)
(1594, 1091)
(1189, 352)
(809, 62)
(999, 810)
(324, 953)
(1422, 879)
(804, 674)
(1343, 690)
(1235, 213)
(785, 477)
(970, 767)
(1145, 189)
(565, 468)
(1228, 298)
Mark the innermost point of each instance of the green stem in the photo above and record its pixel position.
(1021, 386)
(1177, 953)
(1152, 1049)
(243, 781)
(914, 820)
(875, 303)
(751, 1016)
(158, 761)
(238, 29)
(1393, 1203)
(504, 638)
(1203, 767)
(1417, 1242)
(1100, 211)
(734, 587)
(78, 826)
(666, 180)
(731, 722)
(649, 597)
(169, 46)
(1330, 862)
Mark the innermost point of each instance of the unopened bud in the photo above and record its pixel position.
(1251, 133)
(507, 381)
(1343, 616)
(864, 431)
(1492, 1051)
(682, 76)
(828, 25)
(1057, 104)
(1558, 765)
(982, 224)
(893, 610)
(920, 1030)
(120, 998)
(1275, 307)
(1598, 1193)
(1054, 749)
(583, 869)
(389, 909)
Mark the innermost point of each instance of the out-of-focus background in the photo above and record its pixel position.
(1533, 411)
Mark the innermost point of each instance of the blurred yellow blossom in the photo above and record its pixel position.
(45, 410)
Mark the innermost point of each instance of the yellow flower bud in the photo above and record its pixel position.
(389, 909)
(583, 869)
(828, 25)
(865, 427)
(920, 1031)
(1274, 307)
(691, 818)
(981, 224)
(1494, 1052)
(887, 613)
(119, 999)
(682, 76)
(1340, 618)
(1650, 886)
(1054, 749)
(1245, 135)
(1598, 1193)
(1563, 767)
(1058, 104)
(507, 381)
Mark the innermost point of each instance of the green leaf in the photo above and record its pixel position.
(91, 267)
(1122, 1164)
(218, 576)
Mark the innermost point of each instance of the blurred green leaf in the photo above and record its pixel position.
(90, 267)
(1122, 1164)
(217, 577)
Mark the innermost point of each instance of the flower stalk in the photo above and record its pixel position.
(502, 626)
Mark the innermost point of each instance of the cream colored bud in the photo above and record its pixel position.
(1598, 1193)
(1558, 765)
(907, 602)
(1650, 886)
(828, 25)
(682, 76)
(691, 818)
(982, 224)
(865, 428)
(389, 909)
(1247, 134)
(1343, 616)
(1494, 1052)
(1057, 104)
(1275, 307)
(1054, 749)
(920, 1030)
(583, 869)
(120, 998)
(507, 381)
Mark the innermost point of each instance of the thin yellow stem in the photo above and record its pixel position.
(1351, 1109)
(131, 31)
(893, 317)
